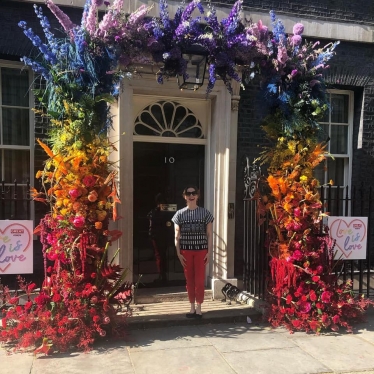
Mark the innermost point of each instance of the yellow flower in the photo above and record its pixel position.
(63, 211)
(303, 179)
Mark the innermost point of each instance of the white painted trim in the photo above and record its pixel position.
(162, 139)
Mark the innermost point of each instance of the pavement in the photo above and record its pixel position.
(228, 348)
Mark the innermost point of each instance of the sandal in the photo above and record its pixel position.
(191, 315)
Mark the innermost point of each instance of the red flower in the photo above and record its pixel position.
(288, 299)
(89, 180)
(96, 318)
(31, 287)
(315, 278)
(314, 325)
(42, 299)
(326, 296)
(336, 319)
(14, 300)
(296, 323)
(326, 320)
(313, 296)
(56, 297)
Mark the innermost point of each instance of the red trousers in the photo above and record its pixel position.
(194, 272)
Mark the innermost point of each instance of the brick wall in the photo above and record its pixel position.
(357, 11)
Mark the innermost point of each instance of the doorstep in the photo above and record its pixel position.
(165, 307)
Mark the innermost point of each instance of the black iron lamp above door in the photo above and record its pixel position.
(195, 57)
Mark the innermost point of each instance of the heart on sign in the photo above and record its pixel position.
(15, 240)
(350, 235)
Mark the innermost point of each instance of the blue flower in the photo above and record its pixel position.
(272, 88)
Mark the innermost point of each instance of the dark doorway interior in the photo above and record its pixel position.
(161, 172)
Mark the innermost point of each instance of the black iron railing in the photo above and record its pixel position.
(15, 201)
(337, 201)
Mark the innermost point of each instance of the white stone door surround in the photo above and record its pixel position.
(220, 164)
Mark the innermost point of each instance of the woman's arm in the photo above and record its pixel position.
(209, 235)
(177, 236)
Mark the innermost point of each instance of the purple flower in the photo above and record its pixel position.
(98, 2)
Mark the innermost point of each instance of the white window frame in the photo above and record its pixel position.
(30, 147)
(348, 168)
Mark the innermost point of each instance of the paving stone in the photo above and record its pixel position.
(270, 361)
(194, 360)
(165, 338)
(340, 351)
(240, 337)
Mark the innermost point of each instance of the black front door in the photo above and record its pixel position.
(161, 172)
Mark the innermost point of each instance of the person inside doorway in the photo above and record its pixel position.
(158, 236)
(194, 244)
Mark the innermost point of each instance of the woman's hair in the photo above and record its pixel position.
(191, 186)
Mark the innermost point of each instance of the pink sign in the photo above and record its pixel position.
(350, 234)
(16, 247)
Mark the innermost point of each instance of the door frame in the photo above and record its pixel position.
(220, 165)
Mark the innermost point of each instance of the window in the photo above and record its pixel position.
(15, 143)
(337, 125)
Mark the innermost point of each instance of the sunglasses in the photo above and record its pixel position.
(192, 193)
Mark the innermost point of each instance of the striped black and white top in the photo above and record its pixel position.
(192, 223)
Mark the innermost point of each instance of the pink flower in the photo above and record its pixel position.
(101, 332)
(79, 221)
(326, 296)
(64, 19)
(74, 193)
(297, 255)
(305, 307)
(296, 211)
(282, 55)
(106, 320)
(296, 40)
(89, 180)
(336, 319)
(298, 29)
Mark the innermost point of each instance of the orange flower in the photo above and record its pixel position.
(98, 225)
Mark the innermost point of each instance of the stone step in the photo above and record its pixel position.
(173, 313)
(164, 294)
(167, 306)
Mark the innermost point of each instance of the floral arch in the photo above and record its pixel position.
(83, 72)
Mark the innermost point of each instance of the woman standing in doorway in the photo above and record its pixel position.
(194, 244)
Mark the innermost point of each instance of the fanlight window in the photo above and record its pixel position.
(168, 119)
